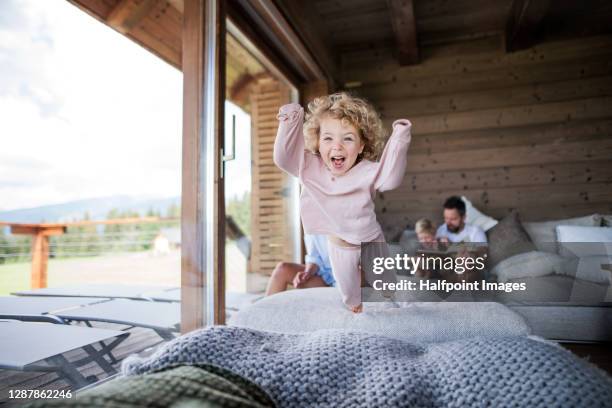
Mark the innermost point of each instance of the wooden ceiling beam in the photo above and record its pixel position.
(404, 28)
(308, 25)
(270, 21)
(523, 23)
(128, 13)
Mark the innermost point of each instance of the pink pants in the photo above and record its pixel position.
(345, 267)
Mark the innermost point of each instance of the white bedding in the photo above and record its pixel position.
(307, 310)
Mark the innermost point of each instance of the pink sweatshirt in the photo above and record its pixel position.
(339, 205)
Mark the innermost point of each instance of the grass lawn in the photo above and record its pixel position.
(142, 268)
(14, 276)
(128, 268)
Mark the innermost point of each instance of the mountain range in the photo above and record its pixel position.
(96, 208)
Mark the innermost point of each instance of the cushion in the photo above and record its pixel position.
(596, 269)
(203, 385)
(584, 241)
(308, 310)
(591, 268)
(506, 239)
(527, 265)
(606, 220)
(475, 217)
(544, 236)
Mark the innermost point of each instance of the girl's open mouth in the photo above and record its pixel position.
(337, 162)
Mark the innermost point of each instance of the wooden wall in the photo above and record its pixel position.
(530, 130)
(272, 239)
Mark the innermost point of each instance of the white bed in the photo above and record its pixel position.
(307, 310)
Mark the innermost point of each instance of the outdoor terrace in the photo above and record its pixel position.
(115, 252)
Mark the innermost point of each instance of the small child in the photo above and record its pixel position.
(426, 234)
(332, 154)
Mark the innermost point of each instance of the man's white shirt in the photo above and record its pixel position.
(469, 233)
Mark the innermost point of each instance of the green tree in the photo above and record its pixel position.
(240, 210)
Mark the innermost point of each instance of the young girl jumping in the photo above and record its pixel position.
(332, 154)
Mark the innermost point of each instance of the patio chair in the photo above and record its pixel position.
(42, 308)
(114, 291)
(233, 301)
(163, 318)
(26, 346)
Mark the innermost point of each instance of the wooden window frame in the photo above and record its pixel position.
(202, 257)
(205, 24)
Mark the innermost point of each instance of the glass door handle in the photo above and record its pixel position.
(232, 156)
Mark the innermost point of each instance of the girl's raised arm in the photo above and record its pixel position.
(289, 143)
(392, 164)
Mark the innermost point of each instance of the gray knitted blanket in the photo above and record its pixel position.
(348, 369)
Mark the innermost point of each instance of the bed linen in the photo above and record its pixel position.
(335, 368)
(308, 310)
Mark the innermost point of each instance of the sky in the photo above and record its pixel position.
(85, 112)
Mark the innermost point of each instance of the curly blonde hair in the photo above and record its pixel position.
(425, 226)
(356, 111)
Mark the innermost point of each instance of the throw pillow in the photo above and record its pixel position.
(474, 217)
(584, 241)
(507, 238)
(544, 236)
(596, 269)
(528, 265)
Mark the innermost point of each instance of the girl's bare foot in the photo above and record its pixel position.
(357, 309)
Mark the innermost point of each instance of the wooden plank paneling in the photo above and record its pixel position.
(510, 176)
(536, 93)
(270, 214)
(581, 109)
(598, 149)
(528, 196)
(394, 222)
(550, 133)
(456, 83)
(456, 59)
(531, 130)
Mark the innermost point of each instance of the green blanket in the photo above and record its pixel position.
(182, 386)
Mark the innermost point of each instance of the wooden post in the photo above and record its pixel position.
(40, 256)
(40, 248)
(524, 22)
(404, 28)
(202, 269)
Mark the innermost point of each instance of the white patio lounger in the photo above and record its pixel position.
(28, 346)
(40, 308)
(162, 317)
(233, 300)
(114, 291)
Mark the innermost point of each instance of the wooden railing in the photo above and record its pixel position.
(40, 240)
